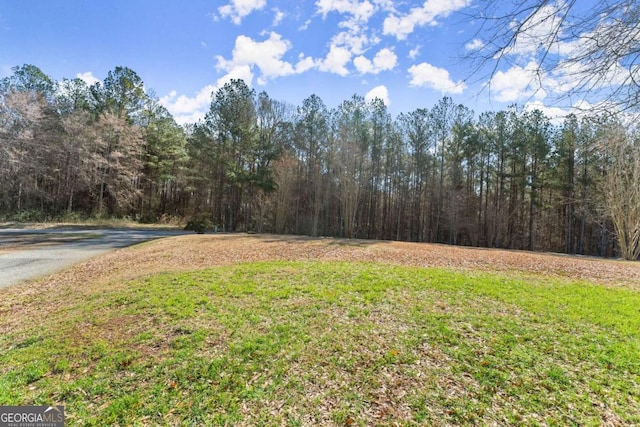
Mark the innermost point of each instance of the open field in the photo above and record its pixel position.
(272, 330)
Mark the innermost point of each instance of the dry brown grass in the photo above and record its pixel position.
(201, 251)
(37, 302)
(191, 252)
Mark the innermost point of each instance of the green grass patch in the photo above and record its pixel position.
(292, 343)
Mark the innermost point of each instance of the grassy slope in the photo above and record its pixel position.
(308, 343)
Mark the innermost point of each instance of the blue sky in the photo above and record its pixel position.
(408, 53)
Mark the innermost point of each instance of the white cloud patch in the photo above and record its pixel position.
(569, 75)
(190, 109)
(305, 63)
(384, 60)
(88, 78)
(239, 72)
(249, 57)
(540, 37)
(474, 45)
(278, 17)
(427, 75)
(555, 114)
(238, 9)
(363, 65)
(516, 83)
(355, 37)
(428, 14)
(539, 30)
(384, 4)
(357, 42)
(380, 92)
(580, 109)
(304, 26)
(266, 55)
(361, 11)
(522, 83)
(336, 61)
(413, 53)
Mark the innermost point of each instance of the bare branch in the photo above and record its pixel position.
(570, 52)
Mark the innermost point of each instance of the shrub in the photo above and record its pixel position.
(199, 223)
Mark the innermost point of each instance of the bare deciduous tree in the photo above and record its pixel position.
(568, 48)
(622, 188)
(22, 116)
(121, 145)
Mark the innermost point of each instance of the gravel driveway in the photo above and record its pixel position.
(28, 254)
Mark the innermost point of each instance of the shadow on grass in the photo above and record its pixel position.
(334, 241)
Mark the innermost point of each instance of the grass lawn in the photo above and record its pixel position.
(334, 343)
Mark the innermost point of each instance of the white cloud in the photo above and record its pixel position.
(384, 60)
(555, 114)
(336, 61)
(305, 63)
(516, 83)
(278, 17)
(188, 109)
(522, 83)
(569, 75)
(247, 55)
(355, 38)
(88, 78)
(361, 11)
(384, 4)
(363, 65)
(540, 32)
(355, 41)
(413, 53)
(305, 25)
(475, 44)
(238, 9)
(431, 10)
(380, 92)
(238, 72)
(266, 55)
(541, 54)
(581, 108)
(427, 75)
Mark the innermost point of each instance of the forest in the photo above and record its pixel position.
(508, 179)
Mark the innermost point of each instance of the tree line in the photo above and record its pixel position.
(506, 179)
